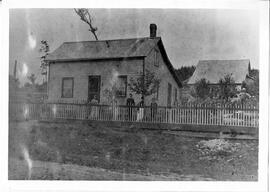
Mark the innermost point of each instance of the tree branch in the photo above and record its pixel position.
(86, 17)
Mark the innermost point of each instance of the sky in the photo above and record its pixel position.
(189, 35)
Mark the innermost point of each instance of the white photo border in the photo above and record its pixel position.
(66, 186)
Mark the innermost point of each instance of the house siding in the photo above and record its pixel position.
(164, 74)
(107, 69)
(80, 71)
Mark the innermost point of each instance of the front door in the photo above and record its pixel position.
(94, 87)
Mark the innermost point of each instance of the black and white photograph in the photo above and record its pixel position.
(134, 94)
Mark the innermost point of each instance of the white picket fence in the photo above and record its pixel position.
(228, 115)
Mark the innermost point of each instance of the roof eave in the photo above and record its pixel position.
(170, 66)
(95, 59)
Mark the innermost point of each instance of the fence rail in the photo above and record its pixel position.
(229, 115)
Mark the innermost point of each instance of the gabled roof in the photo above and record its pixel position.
(214, 70)
(110, 49)
(105, 49)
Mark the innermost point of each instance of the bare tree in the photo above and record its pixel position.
(44, 50)
(85, 16)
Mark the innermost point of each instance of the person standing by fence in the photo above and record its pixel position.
(114, 109)
(130, 103)
(94, 108)
(140, 112)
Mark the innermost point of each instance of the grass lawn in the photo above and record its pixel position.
(137, 154)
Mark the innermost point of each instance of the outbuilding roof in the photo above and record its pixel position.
(214, 70)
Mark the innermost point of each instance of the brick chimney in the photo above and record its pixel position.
(153, 30)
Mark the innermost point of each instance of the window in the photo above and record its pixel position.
(157, 92)
(121, 86)
(156, 63)
(67, 87)
(175, 94)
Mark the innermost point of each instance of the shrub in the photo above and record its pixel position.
(253, 87)
(227, 87)
(202, 88)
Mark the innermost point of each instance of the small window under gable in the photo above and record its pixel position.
(156, 60)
